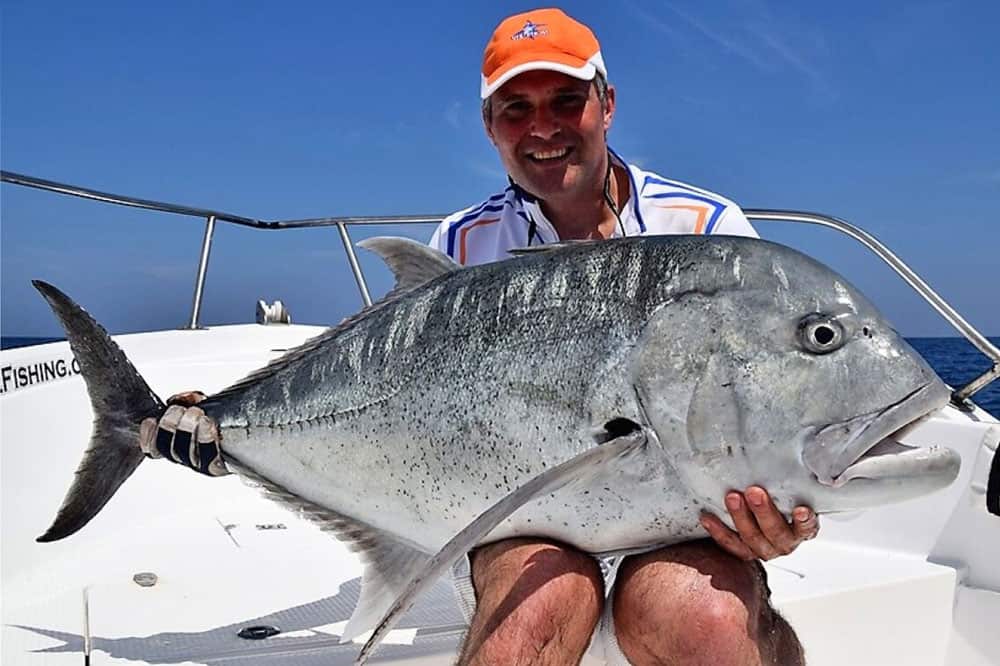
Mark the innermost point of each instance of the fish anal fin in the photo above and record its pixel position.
(388, 567)
(389, 563)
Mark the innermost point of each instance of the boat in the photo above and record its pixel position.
(185, 569)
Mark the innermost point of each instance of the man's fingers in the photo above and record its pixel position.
(172, 417)
(166, 429)
(746, 525)
(207, 441)
(147, 437)
(185, 435)
(805, 523)
(726, 538)
(761, 530)
(186, 399)
(773, 526)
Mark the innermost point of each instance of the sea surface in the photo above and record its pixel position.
(954, 359)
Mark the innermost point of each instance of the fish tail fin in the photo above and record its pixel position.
(121, 399)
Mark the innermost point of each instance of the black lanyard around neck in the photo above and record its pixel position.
(527, 197)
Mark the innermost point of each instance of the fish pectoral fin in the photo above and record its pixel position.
(411, 262)
(579, 468)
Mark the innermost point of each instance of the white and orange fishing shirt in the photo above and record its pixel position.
(513, 219)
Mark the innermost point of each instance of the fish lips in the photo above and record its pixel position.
(868, 446)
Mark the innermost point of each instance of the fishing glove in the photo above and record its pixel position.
(184, 435)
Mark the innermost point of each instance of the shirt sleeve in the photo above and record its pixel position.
(734, 223)
(439, 239)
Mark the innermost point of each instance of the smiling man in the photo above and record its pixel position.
(547, 107)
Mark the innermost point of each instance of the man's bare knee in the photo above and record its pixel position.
(537, 602)
(693, 603)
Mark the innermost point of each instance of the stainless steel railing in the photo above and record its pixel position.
(969, 332)
(213, 216)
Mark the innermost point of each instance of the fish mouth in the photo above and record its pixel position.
(874, 446)
(891, 458)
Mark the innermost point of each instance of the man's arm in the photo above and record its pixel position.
(735, 223)
(437, 240)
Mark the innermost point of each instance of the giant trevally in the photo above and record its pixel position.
(602, 394)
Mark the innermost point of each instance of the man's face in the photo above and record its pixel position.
(549, 129)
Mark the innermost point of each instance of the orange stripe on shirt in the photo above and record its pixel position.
(461, 237)
(699, 226)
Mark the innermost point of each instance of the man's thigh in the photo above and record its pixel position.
(535, 602)
(514, 570)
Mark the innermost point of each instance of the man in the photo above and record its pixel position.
(547, 108)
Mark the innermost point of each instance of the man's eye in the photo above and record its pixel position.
(516, 108)
(570, 101)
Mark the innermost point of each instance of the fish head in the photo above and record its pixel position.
(762, 366)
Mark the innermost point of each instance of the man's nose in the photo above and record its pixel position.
(544, 123)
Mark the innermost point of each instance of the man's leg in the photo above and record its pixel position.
(695, 604)
(537, 602)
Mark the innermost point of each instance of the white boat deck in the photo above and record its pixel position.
(914, 583)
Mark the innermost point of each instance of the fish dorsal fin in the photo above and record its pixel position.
(411, 262)
(389, 563)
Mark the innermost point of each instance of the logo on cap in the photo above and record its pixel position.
(530, 31)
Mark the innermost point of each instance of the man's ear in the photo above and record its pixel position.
(609, 107)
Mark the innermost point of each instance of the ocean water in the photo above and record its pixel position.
(958, 362)
(954, 359)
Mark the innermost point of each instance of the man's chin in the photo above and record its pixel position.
(548, 183)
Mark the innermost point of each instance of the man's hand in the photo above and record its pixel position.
(762, 532)
(185, 435)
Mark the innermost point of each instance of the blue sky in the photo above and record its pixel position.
(883, 113)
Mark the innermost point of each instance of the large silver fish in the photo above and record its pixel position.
(602, 394)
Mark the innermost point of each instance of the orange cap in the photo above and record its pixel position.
(540, 39)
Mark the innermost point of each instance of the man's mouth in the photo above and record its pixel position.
(552, 155)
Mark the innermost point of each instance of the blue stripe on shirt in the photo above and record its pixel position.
(454, 226)
(718, 207)
(656, 180)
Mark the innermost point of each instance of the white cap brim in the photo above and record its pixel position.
(584, 73)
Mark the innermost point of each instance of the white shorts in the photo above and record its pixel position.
(603, 648)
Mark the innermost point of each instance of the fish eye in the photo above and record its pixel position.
(820, 333)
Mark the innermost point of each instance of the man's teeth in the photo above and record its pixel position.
(550, 154)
